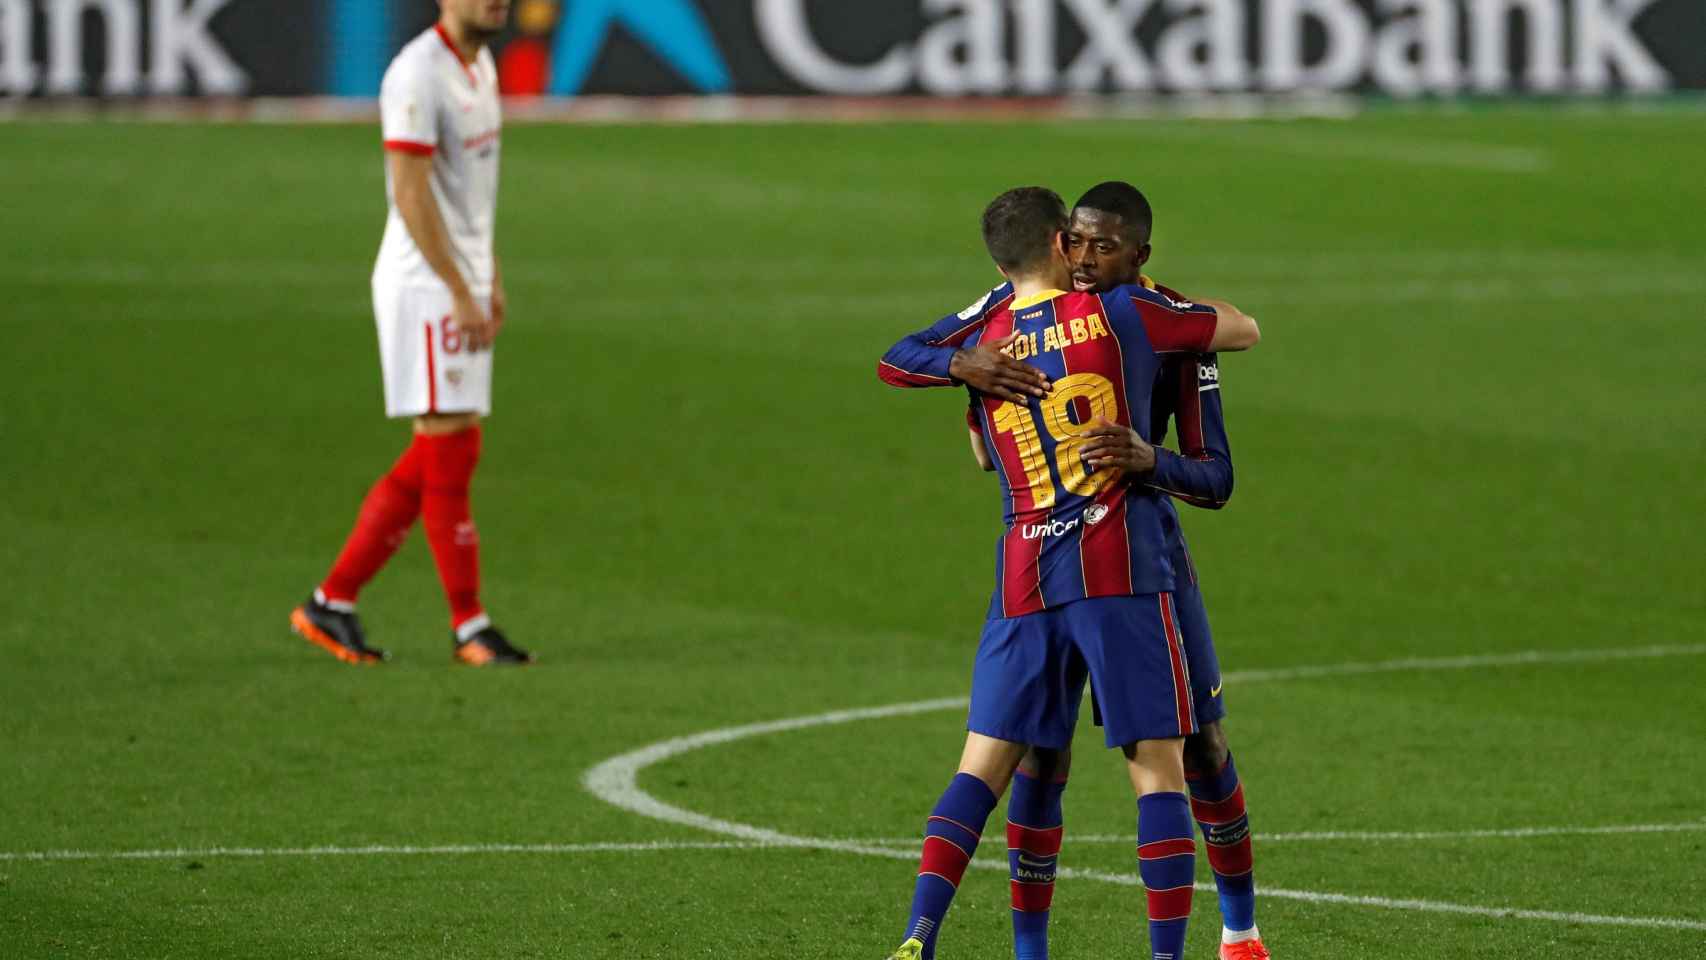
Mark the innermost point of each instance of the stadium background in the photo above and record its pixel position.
(878, 47)
(1458, 587)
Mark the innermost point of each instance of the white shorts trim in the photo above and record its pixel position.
(426, 366)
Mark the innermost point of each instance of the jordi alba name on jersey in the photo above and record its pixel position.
(1071, 532)
(433, 103)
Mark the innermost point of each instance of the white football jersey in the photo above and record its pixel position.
(434, 103)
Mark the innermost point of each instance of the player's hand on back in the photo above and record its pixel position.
(475, 325)
(1122, 448)
(988, 369)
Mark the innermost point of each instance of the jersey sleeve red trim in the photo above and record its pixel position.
(410, 146)
(1168, 292)
(898, 377)
(1187, 329)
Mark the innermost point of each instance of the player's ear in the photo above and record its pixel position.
(1141, 257)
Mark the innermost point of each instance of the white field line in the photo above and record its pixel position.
(378, 850)
(1461, 156)
(1380, 836)
(1391, 903)
(1073, 873)
(665, 846)
(1333, 144)
(616, 781)
(1471, 662)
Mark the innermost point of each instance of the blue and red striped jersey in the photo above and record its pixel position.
(921, 359)
(1070, 533)
(1200, 474)
(1187, 392)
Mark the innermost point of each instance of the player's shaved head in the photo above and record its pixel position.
(1020, 226)
(1107, 239)
(1121, 199)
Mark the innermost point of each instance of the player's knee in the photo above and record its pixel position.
(1155, 765)
(1046, 764)
(438, 424)
(1205, 751)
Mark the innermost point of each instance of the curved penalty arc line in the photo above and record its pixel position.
(616, 782)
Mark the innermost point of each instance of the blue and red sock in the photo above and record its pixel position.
(1034, 828)
(1167, 861)
(1217, 802)
(950, 839)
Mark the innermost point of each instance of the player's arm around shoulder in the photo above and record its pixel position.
(1200, 474)
(938, 356)
(1234, 330)
(1178, 325)
(922, 359)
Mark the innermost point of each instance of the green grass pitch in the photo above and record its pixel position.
(1474, 429)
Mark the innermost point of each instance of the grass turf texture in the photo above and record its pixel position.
(1462, 436)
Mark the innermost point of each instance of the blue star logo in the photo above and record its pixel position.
(673, 29)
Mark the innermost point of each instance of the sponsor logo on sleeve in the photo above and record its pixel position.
(977, 307)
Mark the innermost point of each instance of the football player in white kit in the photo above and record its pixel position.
(438, 299)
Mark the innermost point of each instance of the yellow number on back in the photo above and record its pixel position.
(1069, 437)
(1016, 420)
(1098, 392)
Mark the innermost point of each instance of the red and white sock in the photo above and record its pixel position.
(387, 513)
(448, 463)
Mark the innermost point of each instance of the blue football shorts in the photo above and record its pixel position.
(1200, 657)
(1028, 680)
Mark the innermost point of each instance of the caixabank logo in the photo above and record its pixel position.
(1056, 47)
(1399, 47)
(873, 47)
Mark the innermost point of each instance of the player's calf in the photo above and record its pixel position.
(1166, 849)
(1166, 861)
(951, 836)
(1217, 803)
(1034, 829)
